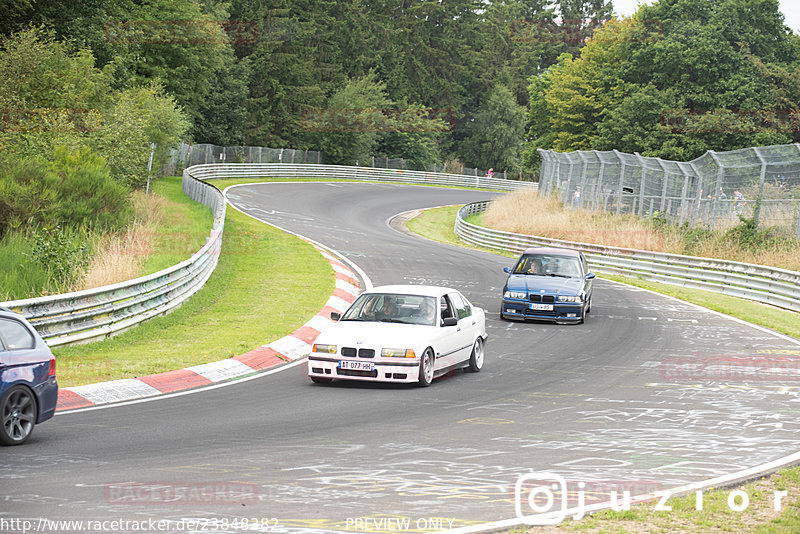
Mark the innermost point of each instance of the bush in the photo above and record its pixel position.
(748, 236)
(139, 116)
(28, 193)
(87, 195)
(63, 256)
(20, 278)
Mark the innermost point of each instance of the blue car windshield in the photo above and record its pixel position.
(549, 265)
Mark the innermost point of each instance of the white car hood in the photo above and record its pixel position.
(376, 335)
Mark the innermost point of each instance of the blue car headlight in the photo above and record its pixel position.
(515, 295)
(569, 298)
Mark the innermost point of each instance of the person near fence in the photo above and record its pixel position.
(738, 201)
(576, 196)
(490, 173)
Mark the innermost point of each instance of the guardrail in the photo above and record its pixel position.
(98, 313)
(95, 314)
(770, 285)
(339, 172)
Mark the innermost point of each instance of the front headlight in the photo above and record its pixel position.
(398, 353)
(569, 298)
(330, 349)
(516, 295)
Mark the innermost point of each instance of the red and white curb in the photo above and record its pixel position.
(292, 347)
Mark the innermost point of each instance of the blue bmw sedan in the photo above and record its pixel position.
(28, 386)
(548, 284)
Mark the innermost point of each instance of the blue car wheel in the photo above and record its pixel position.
(17, 415)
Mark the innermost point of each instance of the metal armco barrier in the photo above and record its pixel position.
(339, 172)
(770, 285)
(94, 314)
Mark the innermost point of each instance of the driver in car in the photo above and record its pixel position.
(388, 310)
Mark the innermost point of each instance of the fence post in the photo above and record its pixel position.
(757, 210)
(642, 183)
(557, 183)
(663, 189)
(621, 180)
(797, 229)
(684, 190)
(599, 190)
(569, 185)
(717, 187)
(584, 172)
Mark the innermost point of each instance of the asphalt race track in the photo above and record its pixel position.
(649, 393)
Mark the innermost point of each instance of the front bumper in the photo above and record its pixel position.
(383, 369)
(561, 312)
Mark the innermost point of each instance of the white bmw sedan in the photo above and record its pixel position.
(401, 333)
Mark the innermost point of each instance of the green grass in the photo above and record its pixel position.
(184, 230)
(437, 224)
(266, 285)
(19, 277)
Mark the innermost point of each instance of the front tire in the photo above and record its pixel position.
(426, 368)
(17, 416)
(476, 358)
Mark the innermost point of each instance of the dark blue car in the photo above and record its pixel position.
(548, 284)
(28, 386)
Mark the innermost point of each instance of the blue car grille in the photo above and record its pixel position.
(547, 299)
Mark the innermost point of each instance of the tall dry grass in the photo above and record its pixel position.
(526, 213)
(120, 256)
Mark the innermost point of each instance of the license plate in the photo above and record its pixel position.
(542, 307)
(355, 366)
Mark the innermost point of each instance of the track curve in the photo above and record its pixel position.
(608, 401)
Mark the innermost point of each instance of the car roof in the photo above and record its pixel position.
(409, 289)
(552, 250)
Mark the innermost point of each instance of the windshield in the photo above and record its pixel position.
(392, 308)
(549, 265)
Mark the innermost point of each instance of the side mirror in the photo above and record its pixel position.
(507, 270)
(449, 321)
(336, 316)
(589, 276)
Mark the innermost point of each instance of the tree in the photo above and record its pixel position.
(689, 88)
(580, 19)
(139, 116)
(48, 96)
(53, 98)
(347, 130)
(497, 132)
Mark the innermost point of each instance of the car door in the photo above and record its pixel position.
(468, 326)
(17, 351)
(449, 337)
(587, 282)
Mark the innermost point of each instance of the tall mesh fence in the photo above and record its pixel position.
(713, 190)
(187, 155)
